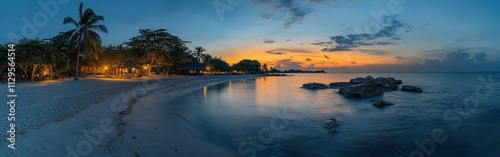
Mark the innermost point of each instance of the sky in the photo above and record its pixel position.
(331, 35)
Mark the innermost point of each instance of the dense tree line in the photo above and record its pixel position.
(82, 47)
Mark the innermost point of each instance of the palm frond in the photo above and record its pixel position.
(100, 28)
(95, 19)
(88, 15)
(70, 21)
(80, 11)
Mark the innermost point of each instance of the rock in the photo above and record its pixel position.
(385, 80)
(382, 103)
(338, 85)
(358, 80)
(369, 79)
(314, 85)
(389, 87)
(398, 81)
(361, 90)
(411, 89)
(331, 124)
(366, 87)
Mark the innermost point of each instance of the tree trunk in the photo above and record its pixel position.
(24, 70)
(77, 62)
(51, 71)
(33, 71)
(149, 67)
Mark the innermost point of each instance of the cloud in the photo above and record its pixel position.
(309, 59)
(268, 41)
(432, 61)
(460, 60)
(459, 57)
(292, 12)
(480, 57)
(322, 43)
(320, 1)
(373, 52)
(275, 52)
(399, 57)
(312, 66)
(288, 40)
(326, 57)
(286, 64)
(387, 35)
(286, 50)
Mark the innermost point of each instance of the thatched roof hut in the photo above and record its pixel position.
(193, 68)
(129, 65)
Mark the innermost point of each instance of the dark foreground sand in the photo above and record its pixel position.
(109, 117)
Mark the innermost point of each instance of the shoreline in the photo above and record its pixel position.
(98, 128)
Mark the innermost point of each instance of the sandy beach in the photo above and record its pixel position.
(108, 117)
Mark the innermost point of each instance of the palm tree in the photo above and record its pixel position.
(207, 58)
(264, 68)
(84, 37)
(198, 53)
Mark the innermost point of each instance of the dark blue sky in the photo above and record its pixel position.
(315, 34)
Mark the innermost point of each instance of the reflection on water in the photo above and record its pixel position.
(274, 116)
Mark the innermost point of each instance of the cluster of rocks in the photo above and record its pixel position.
(331, 124)
(364, 87)
(314, 85)
(367, 87)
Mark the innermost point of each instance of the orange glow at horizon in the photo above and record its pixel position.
(316, 57)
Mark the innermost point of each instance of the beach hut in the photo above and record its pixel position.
(193, 68)
(128, 69)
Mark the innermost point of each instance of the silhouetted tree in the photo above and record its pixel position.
(198, 54)
(218, 65)
(248, 66)
(84, 37)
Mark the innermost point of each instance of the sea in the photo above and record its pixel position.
(457, 115)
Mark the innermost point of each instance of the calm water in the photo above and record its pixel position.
(273, 116)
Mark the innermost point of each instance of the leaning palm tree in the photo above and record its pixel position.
(198, 53)
(84, 37)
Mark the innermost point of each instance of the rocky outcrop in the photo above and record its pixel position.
(382, 104)
(398, 82)
(314, 85)
(411, 89)
(331, 124)
(364, 90)
(366, 87)
(369, 79)
(338, 85)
